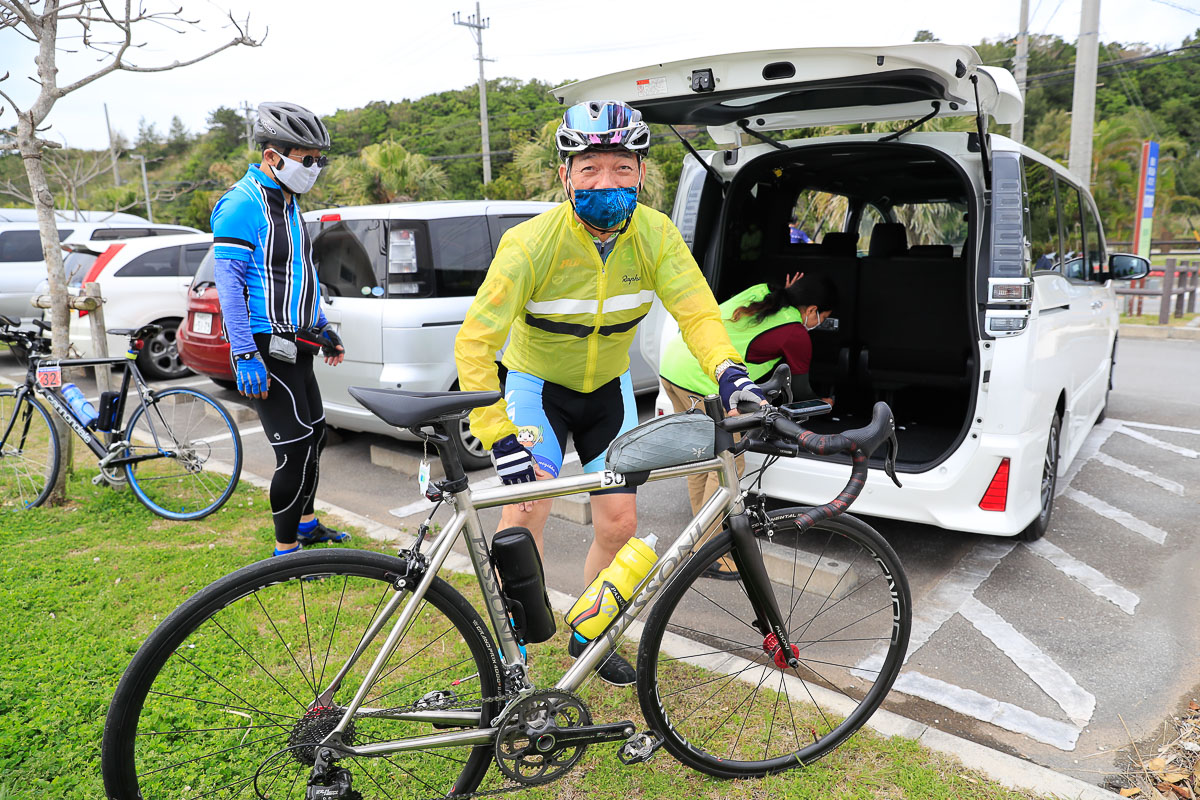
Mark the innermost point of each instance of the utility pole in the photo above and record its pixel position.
(145, 185)
(112, 148)
(1083, 107)
(1020, 69)
(477, 23)
(249, 126)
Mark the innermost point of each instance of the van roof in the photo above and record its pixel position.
(432, 209)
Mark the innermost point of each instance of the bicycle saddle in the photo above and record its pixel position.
(415, 409)
(144, 332)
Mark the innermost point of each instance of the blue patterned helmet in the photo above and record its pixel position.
(610, 125)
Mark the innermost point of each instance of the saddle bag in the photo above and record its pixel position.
(664, 442)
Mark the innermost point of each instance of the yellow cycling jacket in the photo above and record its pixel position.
(571, 316)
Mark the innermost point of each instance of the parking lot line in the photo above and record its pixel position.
(1032, 660)
(1124, 518)
(1137, 472)
(242, 432)
(1089, 577)
(1186, 452)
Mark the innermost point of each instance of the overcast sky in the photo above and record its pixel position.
(343, 55)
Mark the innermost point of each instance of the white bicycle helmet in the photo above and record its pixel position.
(291, 125)
(594, 125)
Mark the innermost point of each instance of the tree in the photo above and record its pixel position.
(109, 36)
(385, 173)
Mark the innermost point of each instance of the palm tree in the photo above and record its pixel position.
(383, 173)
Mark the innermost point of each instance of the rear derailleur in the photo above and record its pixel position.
(329, 782)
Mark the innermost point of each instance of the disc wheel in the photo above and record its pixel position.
(230, 695)
(28, 452)
(717, 698)
(193, 454)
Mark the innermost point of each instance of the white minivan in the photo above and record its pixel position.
(955, 306)
(397, 280)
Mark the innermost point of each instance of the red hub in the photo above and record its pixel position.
(771, 648)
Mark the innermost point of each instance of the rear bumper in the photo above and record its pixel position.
(204, 354)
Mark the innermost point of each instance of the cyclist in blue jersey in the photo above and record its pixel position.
(271, 306)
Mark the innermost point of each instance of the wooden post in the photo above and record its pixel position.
(99, 337)
(1195, 285)
(1164, 305)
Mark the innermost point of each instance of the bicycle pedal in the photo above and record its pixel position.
(639, 748)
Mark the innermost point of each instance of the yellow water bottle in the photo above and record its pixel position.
(613, 587)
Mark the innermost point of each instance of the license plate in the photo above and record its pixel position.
(202, 323)
(49, 377)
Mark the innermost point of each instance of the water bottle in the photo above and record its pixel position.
(613, 587)
(85, 412)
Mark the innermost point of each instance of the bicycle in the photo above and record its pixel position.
(163, 453)
(376, 673)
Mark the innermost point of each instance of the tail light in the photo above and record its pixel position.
(996, 496)
(97, 266)
(331, 218)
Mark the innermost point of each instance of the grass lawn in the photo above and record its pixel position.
(1152, 319)
(84, 585)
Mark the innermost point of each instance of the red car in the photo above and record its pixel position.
(201, 337)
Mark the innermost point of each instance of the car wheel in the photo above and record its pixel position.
(471, 451)
(160, 354)
(224, 384)
(1112, 364)
(1041, 523)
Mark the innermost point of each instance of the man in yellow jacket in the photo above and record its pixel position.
(569, 287)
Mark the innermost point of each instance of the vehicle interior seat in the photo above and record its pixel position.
(909, 303)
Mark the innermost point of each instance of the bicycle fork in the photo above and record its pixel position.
(768, 619)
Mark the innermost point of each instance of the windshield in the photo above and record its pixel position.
(205, 273)
(76, 264)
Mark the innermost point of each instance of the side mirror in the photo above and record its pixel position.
(1125, 267)
(326, 296)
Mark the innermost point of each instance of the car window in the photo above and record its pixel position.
(1095, 250)
(871, 216)
(106, 234)
(76, 264)
(940, 223)
(500, 224)
(815, 214)
(193, 254)
(25, 245)
(462, 251)
(160, 263)
(1042, 222)
(1074, 265)
(351, 256)
(206, 272)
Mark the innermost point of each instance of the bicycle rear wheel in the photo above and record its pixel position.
(225, 689)
(28, 454)
(716, 697)
(190, 433)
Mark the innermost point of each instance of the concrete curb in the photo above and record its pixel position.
(1129, 331)
(1007, 770)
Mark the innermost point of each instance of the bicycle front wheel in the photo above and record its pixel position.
(222, 699)
(28, 451)
(193, 454)
(707, 683)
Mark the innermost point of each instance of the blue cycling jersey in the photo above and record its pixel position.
(263, 253)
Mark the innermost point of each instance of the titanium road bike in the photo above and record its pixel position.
(377, 678)
(164, 453)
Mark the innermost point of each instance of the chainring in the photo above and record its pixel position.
(527, 750)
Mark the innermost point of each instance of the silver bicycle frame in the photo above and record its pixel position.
(466, 517)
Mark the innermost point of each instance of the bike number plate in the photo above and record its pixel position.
(612, 479)
(49, 377)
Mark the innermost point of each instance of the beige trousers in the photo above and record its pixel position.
(700, 487)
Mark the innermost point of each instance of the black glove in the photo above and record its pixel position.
(513, 462)
(330, 341)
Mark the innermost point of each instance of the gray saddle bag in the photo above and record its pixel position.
(663, 442)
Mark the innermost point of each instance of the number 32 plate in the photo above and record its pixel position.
(49, 377)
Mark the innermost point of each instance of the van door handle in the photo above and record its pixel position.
(1096, 304)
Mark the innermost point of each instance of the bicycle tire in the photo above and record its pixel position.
(189, 677)
(23, 471)
(176, 488)
(840, 565)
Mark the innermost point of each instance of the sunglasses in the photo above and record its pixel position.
(307, 161)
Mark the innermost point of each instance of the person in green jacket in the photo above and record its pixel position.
(767, 324)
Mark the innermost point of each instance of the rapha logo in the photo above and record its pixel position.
(632, 278)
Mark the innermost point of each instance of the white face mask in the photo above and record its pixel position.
(817, 324)
(294, 176)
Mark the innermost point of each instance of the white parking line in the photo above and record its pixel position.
(1156, 535)
(1137, 472)
(221, 436)
(1033, 661)
(1154, 426)
(1186, 452)
(1092, 579)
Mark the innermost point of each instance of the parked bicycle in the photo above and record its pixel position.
(375, 675)
(165, 453)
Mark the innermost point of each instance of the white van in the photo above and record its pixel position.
(397, 280)
(994, 352)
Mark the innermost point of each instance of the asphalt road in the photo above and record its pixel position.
(1048, 651)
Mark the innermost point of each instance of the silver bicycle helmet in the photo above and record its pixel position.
(291, 125)
(595, 125)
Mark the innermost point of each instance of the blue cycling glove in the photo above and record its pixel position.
(330, 341)
(513, 462)
(735, 386)
(251, 373)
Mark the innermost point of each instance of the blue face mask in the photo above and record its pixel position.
(605, 209)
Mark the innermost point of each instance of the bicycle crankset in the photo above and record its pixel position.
(546, 733)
